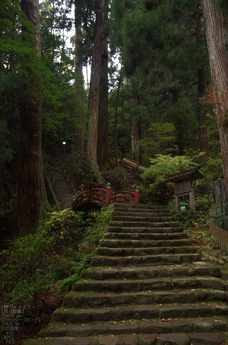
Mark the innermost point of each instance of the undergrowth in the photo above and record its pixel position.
(56, 254)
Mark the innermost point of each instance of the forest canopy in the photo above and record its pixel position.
(154, 87)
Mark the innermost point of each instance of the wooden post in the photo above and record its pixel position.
(176, 203)
(192, 199)
(73, 203)
(108, 194)
(137, 195)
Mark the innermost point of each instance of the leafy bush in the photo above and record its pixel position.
(28, 267)
(202, 203)
(67, 228)
(190, 218)
(160, 194)
(164, 166)
(95, 232)
(118, 177)
(34, 263)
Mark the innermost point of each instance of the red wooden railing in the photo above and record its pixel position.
(106, 197)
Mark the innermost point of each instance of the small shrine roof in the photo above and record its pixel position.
(192, 174)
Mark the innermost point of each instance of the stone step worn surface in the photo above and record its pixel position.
(63, 189)
(146, 285)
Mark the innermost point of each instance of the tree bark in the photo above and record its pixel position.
(79, 84)
(103, 120)
(216, 23)
(95, 87)
(203, 135)
(30, 189)
(116, 120)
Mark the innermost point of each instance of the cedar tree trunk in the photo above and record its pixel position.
(30, 188)
(79, 136)
(95, 86)
(203, 136)
(103, 133)
(216, 23)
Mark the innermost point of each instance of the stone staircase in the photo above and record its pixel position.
(62, 188)
(146, 285)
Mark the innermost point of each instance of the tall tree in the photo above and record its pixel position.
(203, 135)
(79, 82)
(216, 23)
(103, 120)
(95, 85)
(30, 188)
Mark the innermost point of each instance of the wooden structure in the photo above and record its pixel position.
(106, 197)
(183, 185)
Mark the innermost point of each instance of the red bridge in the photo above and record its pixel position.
(106, 197)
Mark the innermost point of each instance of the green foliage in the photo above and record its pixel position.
(171, 204)
(34, 263)
(118, 177)
(213, 167)
(66, 227)
(96, 232)
(164, 166)
(221, 4)
(81, 171)
(220, 220)
(190, 219)
(29, 263)
(214, 243)
(161, 140)
(203, 203)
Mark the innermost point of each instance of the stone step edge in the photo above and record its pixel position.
(99, 300)
(145, 230)
(137, 218)
(136, 327)
(152, 234)
(142, 273)
(138, 312)
(120, 243)
(173, 250)
(141, 213)
(144, 260)
(172, 223)
(163, 284)
(134, 339)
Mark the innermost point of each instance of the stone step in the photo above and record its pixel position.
(144, 260)
(94, 300)
(135, 327)
(144, 243)
(138, 207)
(139, 213)
(144, 224)
(144, 286)
(203, 338)
(151, 272)
(136, 218)
(147, 236)
(138, 312)
(143, 229)
(144, 251)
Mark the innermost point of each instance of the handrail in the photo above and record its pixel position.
(105, 196)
